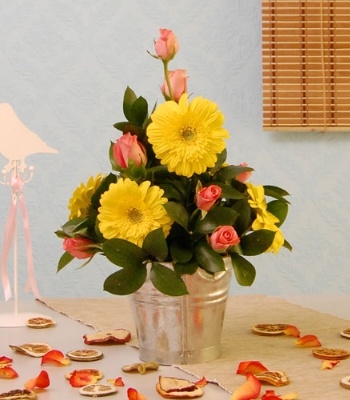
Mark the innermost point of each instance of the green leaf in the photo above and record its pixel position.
(186, 268)
(276, 192)
(124, 253)
(129, 99)
(279, 209)
(74, 226)
(229, 192)
(65, 259)
(180, 253)
(287, 245)
(167, 281)
(244, 271)
(178, 213)
(126, 280)
(257, 242)
(155, 244)
(217, 216)
(207, 258)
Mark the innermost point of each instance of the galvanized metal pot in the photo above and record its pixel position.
(185, 329)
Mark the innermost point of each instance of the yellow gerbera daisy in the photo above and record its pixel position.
(257, 197)
(130, 211)
(187, 137)
(80, 201)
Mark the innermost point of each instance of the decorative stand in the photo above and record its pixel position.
(16, 143)
(16, 180)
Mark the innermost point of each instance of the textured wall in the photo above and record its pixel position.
(64, 66)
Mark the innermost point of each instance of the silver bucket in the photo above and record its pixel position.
(185, 329)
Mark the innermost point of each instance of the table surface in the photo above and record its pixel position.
(75, 317)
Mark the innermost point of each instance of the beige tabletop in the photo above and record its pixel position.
(240, 344)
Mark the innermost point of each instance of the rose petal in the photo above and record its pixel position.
(5, 360)
(133, 394)
(270, 395)
(250, 389)
(253, 367)
(55, 357)
(289, 396)
(329, 364)
(202, 382)
(8, 372)
(42, 381)
(82, 378)
(116, 382)
(308, 341)
(292, 330)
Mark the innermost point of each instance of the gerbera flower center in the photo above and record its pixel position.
(188, 133)
(135, 215)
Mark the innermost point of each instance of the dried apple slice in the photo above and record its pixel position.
(253, 367)
(133, 394)
(275, 378)
(250, 389)
(308, 341)
(8, 372)
(141, 368)
(32, 349)
(116, 336)
(42, 381)
(55, 357)
(177, 388)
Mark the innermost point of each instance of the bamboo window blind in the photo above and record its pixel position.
(306, 65)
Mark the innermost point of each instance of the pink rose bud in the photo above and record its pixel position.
(166, 46)
(244, 176)
(224, 237)
(207, 196)
(178, 82)
(78, 247)
(128, 148)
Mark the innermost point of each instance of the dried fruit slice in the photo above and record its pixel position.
(18, 394)
(96, 372)
(330, 354)
(345, 382)
(269, 329)
(85, 355)
(141, 368)
(40, 322)
(32, 349)
(117, 336)
(97, 390)
(345, 333)
(177, 388)
(275, 378)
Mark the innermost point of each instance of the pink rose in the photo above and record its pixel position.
(244, 175)
(166, 46)
(78, 247)
(207, 196)
(224, 237)
(128, 148)
(178, 83)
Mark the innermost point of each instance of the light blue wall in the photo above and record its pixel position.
(64, 65)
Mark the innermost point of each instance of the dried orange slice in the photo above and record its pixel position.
(97, 390)
(32, 349)
(85, 355)
(269, 329)
(330, 354)
(40, 322)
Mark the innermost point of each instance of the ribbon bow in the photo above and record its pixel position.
(16, 183)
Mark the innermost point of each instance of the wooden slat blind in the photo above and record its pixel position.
(306, 65)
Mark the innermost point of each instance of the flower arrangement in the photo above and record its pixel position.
(171, 196)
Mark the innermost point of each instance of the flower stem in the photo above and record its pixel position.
(167, 80)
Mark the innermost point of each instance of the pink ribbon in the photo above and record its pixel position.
(17, 190)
